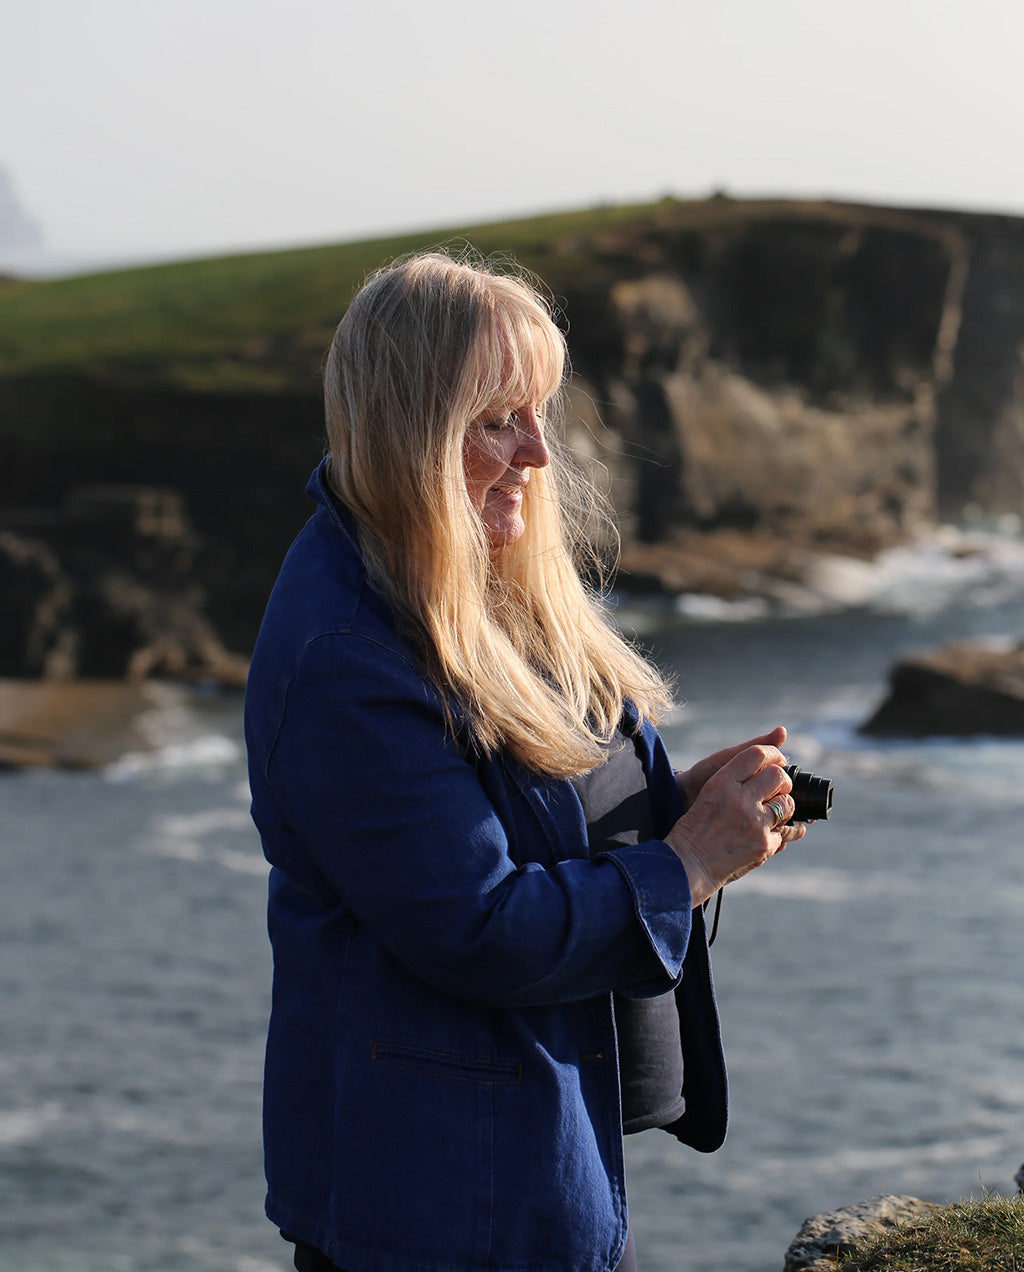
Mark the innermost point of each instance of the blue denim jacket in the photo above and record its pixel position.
(441, 1087)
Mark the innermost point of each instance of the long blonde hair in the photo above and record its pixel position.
(516, 640)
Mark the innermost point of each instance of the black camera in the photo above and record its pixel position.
(812, 795)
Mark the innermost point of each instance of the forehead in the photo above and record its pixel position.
(524, 363)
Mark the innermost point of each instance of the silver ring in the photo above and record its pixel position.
(779, 810)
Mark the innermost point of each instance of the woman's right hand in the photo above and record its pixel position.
(727, 830)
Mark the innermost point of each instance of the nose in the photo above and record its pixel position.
(532, 450)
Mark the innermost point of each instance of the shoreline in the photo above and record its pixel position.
(74, 724)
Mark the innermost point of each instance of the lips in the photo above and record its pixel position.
(510, 487)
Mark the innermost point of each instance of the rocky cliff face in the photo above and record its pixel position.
(103, 588)
(759, 381)
(979, 431)
(237, 466)
(782, 373)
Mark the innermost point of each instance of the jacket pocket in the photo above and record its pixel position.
(447, 1064)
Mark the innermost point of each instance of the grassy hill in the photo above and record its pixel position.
(247, 323)
(260, 322)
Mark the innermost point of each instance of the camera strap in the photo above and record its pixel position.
(718, 911)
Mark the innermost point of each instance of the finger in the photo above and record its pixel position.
(768, 782)
(751, 760)
(778, 809)
(775, 737)
(792, 831)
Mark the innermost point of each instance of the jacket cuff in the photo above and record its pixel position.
(664, 906)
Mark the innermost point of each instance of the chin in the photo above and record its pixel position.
(504, 534)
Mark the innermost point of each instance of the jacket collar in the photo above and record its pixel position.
(329, 505)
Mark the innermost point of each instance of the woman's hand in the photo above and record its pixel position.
(735, 821)
(691, 781)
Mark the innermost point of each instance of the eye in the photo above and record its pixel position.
(502, 425)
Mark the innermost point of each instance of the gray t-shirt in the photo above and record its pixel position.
(618, 812)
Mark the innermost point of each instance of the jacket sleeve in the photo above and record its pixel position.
(395, 818)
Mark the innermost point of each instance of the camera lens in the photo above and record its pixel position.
(811, 794)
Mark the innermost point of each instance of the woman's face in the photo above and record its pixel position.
(497, 456)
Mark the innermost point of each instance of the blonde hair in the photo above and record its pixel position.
(518, 644)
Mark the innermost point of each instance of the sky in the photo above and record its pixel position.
(134, 131)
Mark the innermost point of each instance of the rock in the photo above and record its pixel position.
(769, 375)
(76, 724)
(126, 628)
(823, 1237)
(959, 690)
(107, 592)
(36, 595)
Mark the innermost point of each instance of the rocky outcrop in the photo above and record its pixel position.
(77, 724)
(979, 433)
(237, 464)
(36, 594)
(959, 690)
(103, 588)
(823, 1238)
(777, 374)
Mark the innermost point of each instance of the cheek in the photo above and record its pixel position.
(483, 460)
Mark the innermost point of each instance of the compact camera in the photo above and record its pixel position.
(811, 794)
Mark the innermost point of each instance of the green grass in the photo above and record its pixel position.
(258, 320)
(261, 321)
(970, 1236)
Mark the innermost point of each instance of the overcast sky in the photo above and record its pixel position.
(133, 130)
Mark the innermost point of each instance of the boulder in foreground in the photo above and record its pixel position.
(823, 1238)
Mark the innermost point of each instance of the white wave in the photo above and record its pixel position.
(153, 1127)
(812, 885)
(949, 565)
(177, 849)
(242, 862)
(1005, 1091)
(713, 609)
(209, 822)
(204, 752)
(979, 1148)
(187, 836)
(893, 1163)
(22, 1126)
(921, 578)
(209, 1255)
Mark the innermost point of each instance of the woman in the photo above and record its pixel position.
(474, 831)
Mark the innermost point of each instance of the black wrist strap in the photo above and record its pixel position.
(718, 911)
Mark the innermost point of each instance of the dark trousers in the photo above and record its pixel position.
(309, 1259)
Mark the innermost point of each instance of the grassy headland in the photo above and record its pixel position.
(256, 322)
(260, 322)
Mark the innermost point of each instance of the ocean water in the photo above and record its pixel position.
(869, 978)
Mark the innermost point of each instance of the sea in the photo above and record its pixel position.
(870, 978)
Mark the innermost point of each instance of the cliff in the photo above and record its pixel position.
(760, 380)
